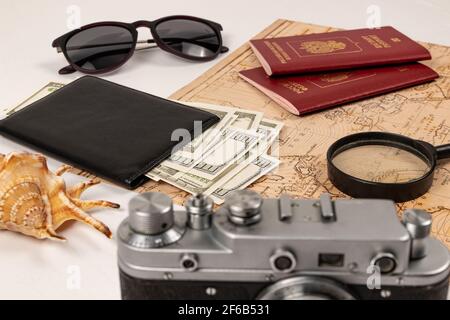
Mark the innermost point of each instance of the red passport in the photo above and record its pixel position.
(313, 92)
(337, 50)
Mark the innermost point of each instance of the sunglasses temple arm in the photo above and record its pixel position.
(170, 41)
(70, 69)
(151, 42)
(67, 70)
(223, 49)
(443, 152)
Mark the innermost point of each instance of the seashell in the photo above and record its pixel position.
(35, 202)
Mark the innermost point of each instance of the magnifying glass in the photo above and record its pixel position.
(383, 165)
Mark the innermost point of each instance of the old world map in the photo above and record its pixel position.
(421, 112)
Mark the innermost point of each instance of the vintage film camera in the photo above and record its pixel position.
(278, 249)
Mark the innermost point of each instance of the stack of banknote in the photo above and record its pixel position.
(229, 156)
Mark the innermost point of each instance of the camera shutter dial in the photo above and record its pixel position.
(152, 222)
(244, 207)
(151, 213)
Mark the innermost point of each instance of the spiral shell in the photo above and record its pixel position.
(35, 202)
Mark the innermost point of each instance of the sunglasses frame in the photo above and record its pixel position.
(60, 43)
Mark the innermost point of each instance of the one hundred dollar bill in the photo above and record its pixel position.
(192, 183)
(245, 177)
(270, 131)
(188, 152)
(226, 116)
(195, 184)
(236, 144)
(247, 119)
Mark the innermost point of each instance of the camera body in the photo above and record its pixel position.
(254, 248)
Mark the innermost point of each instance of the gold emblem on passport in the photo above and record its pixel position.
(318, 46)
(326, 80)
(329, 46)
(330, 78)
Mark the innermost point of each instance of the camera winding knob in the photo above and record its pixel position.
(151, 213)
(418, 224)
(152, 222)
(244, 207)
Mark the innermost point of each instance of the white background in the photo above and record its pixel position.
(44, 269)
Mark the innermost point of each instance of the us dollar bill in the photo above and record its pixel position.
(195, 184)
(270, 132)
(244, 120)
(247, 119)
(239, 173)
(41, 93)
(236, 144)
(206, 138)
(249, 170)
(189, 151)
(245, 177)
(185, 157)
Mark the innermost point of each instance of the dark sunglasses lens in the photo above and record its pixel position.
(100, 48)
(190, 38)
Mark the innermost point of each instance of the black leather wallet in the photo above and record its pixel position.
(109, 130)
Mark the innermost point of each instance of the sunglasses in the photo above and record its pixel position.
(105, 46)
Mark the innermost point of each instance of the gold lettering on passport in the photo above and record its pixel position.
(376, 41)
(294, 87)
(318, 46)
(279, 53)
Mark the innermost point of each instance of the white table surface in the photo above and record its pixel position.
(84, 267)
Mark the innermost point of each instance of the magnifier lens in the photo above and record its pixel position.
(381, 163)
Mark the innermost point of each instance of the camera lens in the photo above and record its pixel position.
(305, 288)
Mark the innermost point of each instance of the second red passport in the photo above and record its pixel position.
(314, 92)
(336, 50)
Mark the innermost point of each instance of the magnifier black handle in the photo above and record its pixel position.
(443, 152)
